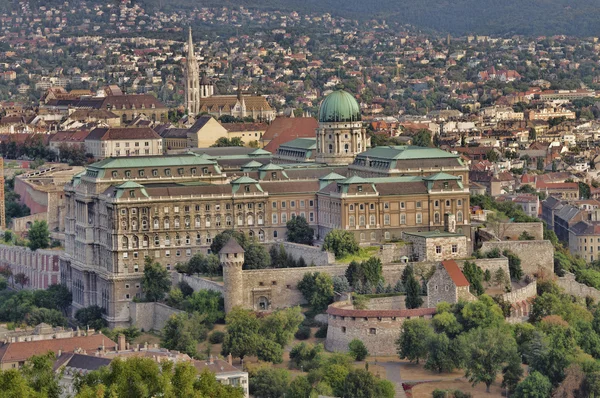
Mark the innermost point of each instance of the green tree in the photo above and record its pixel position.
(536, 385)
(38, 235)
(91, 316)
(156, 281)
(209, 303)
(514, 265)
(269, 383)
(370, 271)
(281, 325)
(358, 350)
(14, 385)
(317, 289)
(443, 353)
(45, 315)
(228, 142)
(413, 291)
(414, 337)
(481, 313)
(242, 336)
(360, 383)
(474, 275)
(422, 138)
(487, 351)
(512, 373)
(256, 256)
(446, 322)
(492, 156)
(221, 239)
(306, 356)
(300, 387)
(298, 231)
(340, 243)
(183, 332)
(39, 373)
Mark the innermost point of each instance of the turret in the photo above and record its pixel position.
(231, 257)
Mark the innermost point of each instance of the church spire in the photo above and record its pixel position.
(190, 44)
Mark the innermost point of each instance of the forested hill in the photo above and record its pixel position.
(459, 17)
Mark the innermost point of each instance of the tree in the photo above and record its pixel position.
(256, 256)
(357, 350)
(413, 290)
(281, 325)
(414, 336)
(221, 239)
(512, 373)
(340, 284)
(536, 385)
(370, 271)
(514, 265)
(156, 281)
(298, 231)
(183, 332)
(341, 243)
(269, 383)
(39, 235)
(300, 387)
(360, 383)
(209, 303)
(91, 316)
(487, 350)
(446, 322)
(306, 356)
(21, 279)
(481, 313)
(474, 275)
(242, 336)
(492, 156)
(45, 315)
(442, 353)
(422, 138)
(228, 142)
(317, 289)
(39, 373)
(14, 385)
(540, 164)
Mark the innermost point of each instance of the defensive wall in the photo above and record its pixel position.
(41, 267)
(489, 264)
(150, 316)
(572, 287)
(198, 283)
(378, 328)
(512, 230)
(537, 256)
(310, 254)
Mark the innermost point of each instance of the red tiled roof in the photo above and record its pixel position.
(332, 310)
(285, 129)
(16, 352)
(455, 273)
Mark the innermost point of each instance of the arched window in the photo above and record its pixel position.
(134, 224)
(176, 222)
(260, 219)
(167, 223)
(261, 235)
(197, 222)
(156, 223)
(228, 221)
(217, 221)
(362, 236)
(188, 241)
(145, 241)
(361, 221)
(402, 219)
(156, 240)
(373, 236)
(250, 219)
(387, 236)
(346, 148)
(351, 221)
(436, 203)
(207, 222)
(371, 219)
(447, 203)
(187, 222)
(177, 240)
(283, 218)
(330, 148)
(167, 240)
(135, 242)
(459, 216)
(125, 243)
(144, 224)
(386, 219)
(240, 219)
(436, 218)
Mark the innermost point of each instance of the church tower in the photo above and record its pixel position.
(340, 135)
(192, 77)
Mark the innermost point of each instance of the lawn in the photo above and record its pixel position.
(364, 253)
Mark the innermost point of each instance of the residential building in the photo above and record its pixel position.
(115, 142)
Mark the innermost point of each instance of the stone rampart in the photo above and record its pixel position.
(150, 316)
(521, 294)
(491, 264)
(198, 283)
(537, 256)
(572, 287)
(377, 329)
(311, 254)
(393, 252)
(387, 303)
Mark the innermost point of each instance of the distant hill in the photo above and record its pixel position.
(499, 17)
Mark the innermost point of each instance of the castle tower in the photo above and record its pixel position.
(340, 135)
(192, 77)
(231, 257)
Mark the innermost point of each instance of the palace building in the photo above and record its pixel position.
(121, 210)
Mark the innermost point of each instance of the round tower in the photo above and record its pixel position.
(231, 257)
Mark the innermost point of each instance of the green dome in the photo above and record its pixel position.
(339, 106)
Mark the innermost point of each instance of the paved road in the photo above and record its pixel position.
(392, 373)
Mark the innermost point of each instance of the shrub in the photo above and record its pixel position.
(303, 333)
(358, 350)
(322, 332)
(216, 337)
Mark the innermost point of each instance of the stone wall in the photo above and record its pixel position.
(432, 248)
(198, 283)
(393, 252)
(377, 329)
(536, 255)
(22, 224)
(521, 294)
(491, 264)
(512, 231)
(311, 254)
(150, 316)
(571, 286)
(387, 303)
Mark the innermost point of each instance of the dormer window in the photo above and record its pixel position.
(132, 194)
(168, 172)
(247, 188)
(359, 188)
(115, 174)
(274, 174)
(127, 173)
(446, 185)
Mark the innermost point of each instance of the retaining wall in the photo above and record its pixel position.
(311, 254)
(571, 286)
(198, 283)
(521, 294)
(537, 256)
(150, 316)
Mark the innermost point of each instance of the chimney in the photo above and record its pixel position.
(122, 342)
(59, 353)
(211, 360)
(230, 359)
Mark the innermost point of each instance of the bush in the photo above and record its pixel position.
(303, 333)
(358, 350)
(216, 337)
(322, 332)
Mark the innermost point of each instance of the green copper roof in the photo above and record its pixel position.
(405, 152)
(252, 165)
(434, 234)
(332, 177)
(339, 106)
(244, 180)
(300, 143)
(129, 184)
(270, 167)
(259, 152)
(354, 180)
(441, 176)
(148, 161)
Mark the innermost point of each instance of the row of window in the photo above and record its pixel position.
(137, 143)
(418, 205)
(293, 203)
(155, 172)
(284, 217)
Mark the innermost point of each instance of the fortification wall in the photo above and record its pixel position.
(311, 254)
(150, 316)
(571, 286)
(377, 329)
(393, 252)
(521, 294)
(387, 303)
(198, 283)
(512, 231)
(536, 255)
(491, 264)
